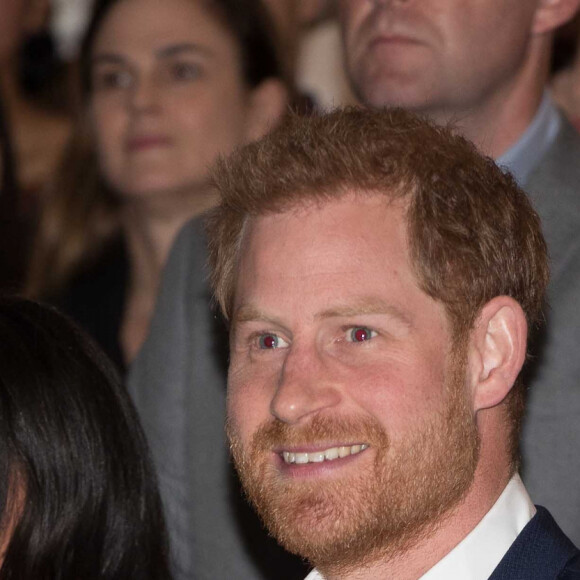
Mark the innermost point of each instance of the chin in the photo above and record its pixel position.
(395, 89)
(157, 187)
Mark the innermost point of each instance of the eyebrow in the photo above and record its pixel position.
(249, 313)
(176, 49)
(164, 52)
(364, 306)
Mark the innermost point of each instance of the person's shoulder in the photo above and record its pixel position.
(559, 167)
(187, 259)
(572, 569)
(540, 552)
(191, 237)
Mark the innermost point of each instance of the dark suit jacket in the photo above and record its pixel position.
(540, 552)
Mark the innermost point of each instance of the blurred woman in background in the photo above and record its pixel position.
(167, 86)
(78, 497)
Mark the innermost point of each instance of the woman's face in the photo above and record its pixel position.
(168, 96)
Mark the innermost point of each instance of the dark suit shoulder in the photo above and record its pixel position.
(540, 552)
(572, 570)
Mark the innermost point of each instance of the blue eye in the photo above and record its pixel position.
(360, 334)
(271, 341)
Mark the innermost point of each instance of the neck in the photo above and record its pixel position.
(495, 124)
(150, 228)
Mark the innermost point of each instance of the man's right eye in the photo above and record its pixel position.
(271, 341)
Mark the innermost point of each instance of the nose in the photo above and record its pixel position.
(305, 387)
(144, 95)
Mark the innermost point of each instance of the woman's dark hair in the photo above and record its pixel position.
(247, 21)
(76, 481)
(81, 215)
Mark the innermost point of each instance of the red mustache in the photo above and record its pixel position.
(276, 435)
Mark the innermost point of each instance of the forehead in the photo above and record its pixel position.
(351, 249)
(151, 23)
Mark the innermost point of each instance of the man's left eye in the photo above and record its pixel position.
(360, 334)
(271, 341)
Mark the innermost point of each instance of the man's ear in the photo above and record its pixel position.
(497, 351)
(269, 101)
(550, 14)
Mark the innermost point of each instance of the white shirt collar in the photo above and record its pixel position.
(479, 553)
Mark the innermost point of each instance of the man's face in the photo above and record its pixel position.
(348, 416)
(440, 57)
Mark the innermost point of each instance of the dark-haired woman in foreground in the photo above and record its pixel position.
(78, 496)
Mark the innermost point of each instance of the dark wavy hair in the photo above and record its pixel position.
(78, 495)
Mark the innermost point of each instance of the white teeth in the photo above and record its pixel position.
(331, 453)
(301, 457)
(320, 456)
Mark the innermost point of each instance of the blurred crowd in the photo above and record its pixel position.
(88, 231)
(112, 114)
(80, 233)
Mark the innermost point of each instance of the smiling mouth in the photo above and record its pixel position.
(323, 455)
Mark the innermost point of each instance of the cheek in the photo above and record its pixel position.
(402, 391)
(351, 12)
(248, 401)
(214, 117)
(107, 129)
(215, 135)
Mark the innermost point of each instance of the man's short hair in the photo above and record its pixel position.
(472, 232)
